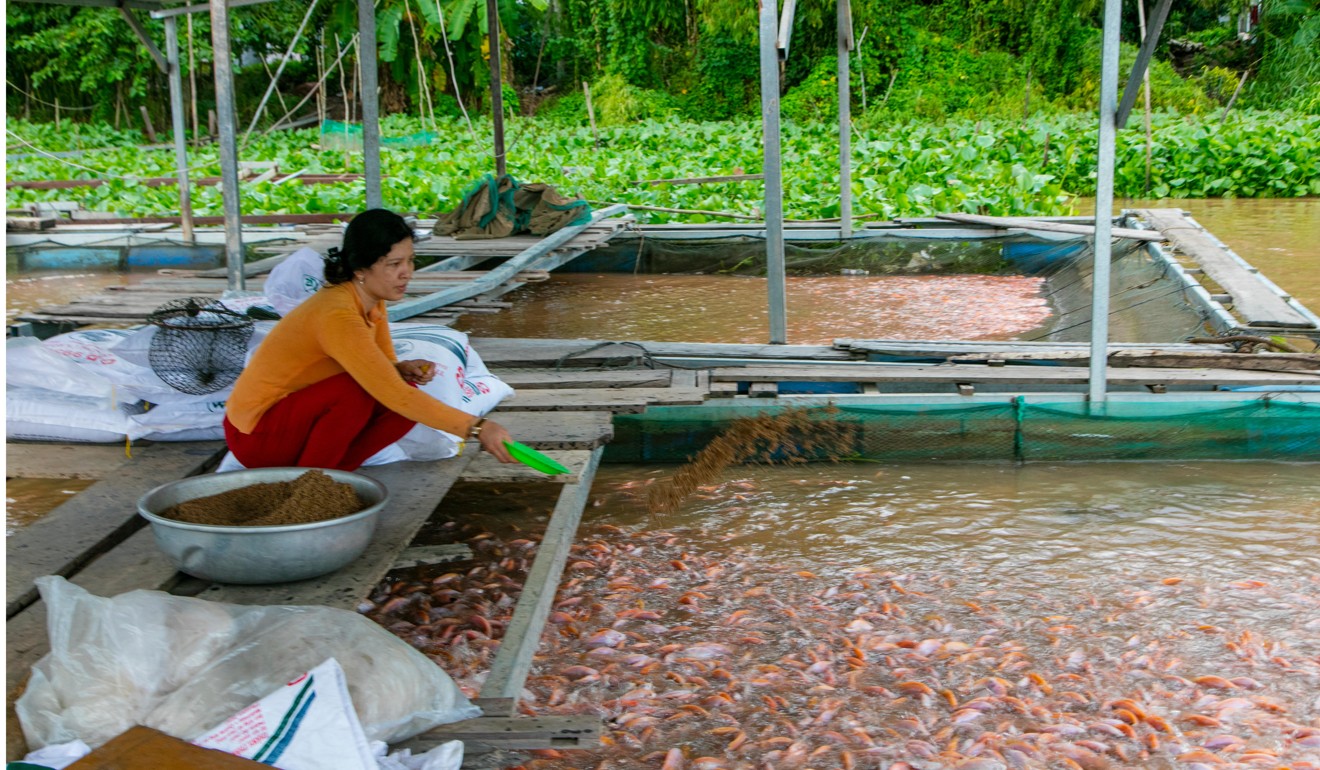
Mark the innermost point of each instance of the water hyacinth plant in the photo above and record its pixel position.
(1001, 167)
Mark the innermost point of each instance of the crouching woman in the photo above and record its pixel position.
(324, 390)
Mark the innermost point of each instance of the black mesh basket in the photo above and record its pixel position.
(199, 346)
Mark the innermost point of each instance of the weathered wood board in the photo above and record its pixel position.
(97, 519)
(617, 400)
(485, 468)
(1255, 302)
(557, 430)
(955, 373)
(586, 378)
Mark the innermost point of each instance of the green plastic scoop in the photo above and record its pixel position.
(534, 459)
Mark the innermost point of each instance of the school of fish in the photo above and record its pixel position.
(699, 656)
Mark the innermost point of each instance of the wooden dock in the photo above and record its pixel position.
(1260, 304)
(465, 275)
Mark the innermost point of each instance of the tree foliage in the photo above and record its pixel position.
(935, 59)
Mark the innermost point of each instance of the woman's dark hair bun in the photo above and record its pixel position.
(369, 236)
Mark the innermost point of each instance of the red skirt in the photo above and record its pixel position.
(332, 424)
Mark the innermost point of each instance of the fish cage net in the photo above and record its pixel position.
(340, 136)
(1148, 301)
(1261, 429)
(199, 346)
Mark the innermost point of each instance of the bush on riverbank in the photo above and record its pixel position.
(1003, 167)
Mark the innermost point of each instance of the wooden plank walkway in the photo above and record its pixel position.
(441, 292)
(955, 374)
(1253, 300)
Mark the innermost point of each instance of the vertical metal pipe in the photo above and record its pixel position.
(496, 86)
(845, 121)
(370, 102)
(224, 107)
(774, 182)
(1104, 205)
(180, 135)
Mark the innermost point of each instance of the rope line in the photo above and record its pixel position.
(39, 100)
(101, 175)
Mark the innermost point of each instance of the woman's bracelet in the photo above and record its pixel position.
(476, 428)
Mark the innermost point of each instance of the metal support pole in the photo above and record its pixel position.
(774, 180)
(496, 87)
(1142, 66)
(224, 108)
(180, 134)
(1104, 205)
(845, 121)
(370, 102)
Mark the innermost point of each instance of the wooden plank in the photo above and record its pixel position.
(617, 400)
(586, 378)
(424, 555)
(62, 461)
(485, 468)
(97, 519)
(1274, 362)
(954, 373)
(947, 347)
(558, 430)
(30, 224)
(1253, 300)
(415, 491)
(513, 661)
(1026, 223)
(485, 734)
(528, 352)
(701, 179)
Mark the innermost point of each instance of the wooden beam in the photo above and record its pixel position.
(617, 400)
(1024, 223)
(97, 519)
(1253, 300)
(487, 469)
(523, 635)
(1050, 375)
(558, 430)
(701, 179)
(491, 733)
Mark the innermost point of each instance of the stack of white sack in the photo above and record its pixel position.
(98, 386)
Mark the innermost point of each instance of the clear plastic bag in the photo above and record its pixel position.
(184, 665)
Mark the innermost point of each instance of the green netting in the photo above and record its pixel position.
(348, 136)
(1261, 429)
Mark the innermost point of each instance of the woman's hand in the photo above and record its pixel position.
(492, 438)
(415, 371)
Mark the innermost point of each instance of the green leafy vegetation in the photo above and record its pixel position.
(1001, 167)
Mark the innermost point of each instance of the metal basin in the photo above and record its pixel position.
(254, 555)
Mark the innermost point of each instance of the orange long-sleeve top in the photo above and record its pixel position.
(328, 334)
